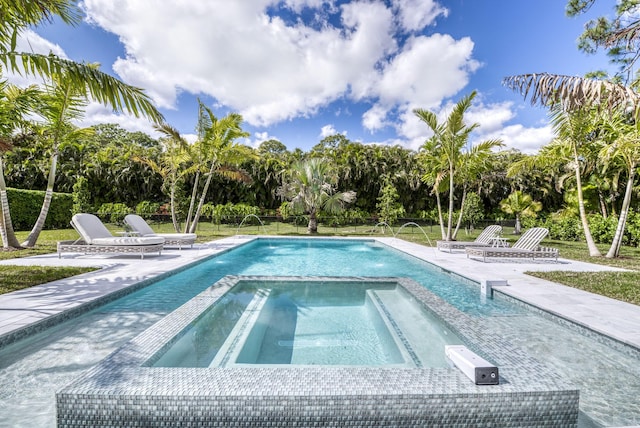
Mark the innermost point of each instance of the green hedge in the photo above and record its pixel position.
(25, 207)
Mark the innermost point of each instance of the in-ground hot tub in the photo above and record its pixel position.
(232, 356)
(302, 322)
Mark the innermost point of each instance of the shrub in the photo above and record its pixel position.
(603, 229)
(113, 213)
(25, 207)
(564, 228)
(81, 196)
(633, 228)
(228, 212)
(146, 209)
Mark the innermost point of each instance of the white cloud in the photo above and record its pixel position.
(527, 140)
(492, 117)
(414, 15)
(271, 70)
(96, 113)
(258, 138)
(493, 122)
(257, 64)
(329, 130)
(375, 118)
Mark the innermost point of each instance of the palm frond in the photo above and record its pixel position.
(571, 92)
(85, 78)
(20, 14)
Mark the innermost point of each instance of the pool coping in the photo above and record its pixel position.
(127, 386)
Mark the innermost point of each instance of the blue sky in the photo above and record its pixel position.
(298, 70)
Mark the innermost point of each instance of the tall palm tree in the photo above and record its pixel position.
(221, 154)
(434, 173)
(62, 104)
(310, 188)
(15, 104)
(451, 137)
(80, 78)
(625, 152)
(575, 130)
(520, 204)
(170, 165)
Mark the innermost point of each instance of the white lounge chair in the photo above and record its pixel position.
(96, 238)
(528, 246)
(140, 226)
(483, 240)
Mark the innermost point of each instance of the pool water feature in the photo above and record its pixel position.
(310, 322)
(32, 369)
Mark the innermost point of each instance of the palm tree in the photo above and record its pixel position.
(449, 140)
(170, 164)
(572, 93)
(625, 152)
(434, 173)
(61, 105)
(78, 79)
(15, 103)
(310, 188)
(520, 204)
(220, 153)
(575, 130)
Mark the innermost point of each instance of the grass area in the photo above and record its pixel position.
(621, 286)
(18, 277)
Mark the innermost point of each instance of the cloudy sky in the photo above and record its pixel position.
(299, 70)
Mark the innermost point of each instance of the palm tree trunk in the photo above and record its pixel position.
(603, 205)
(459, 222)
(518, 228)
(440, 219)
(172, 203)
(196, 217)
(614, 251)
(192, 202)
(591, 245)
(37, 228)
(9, 239)
(450, 219)
(312, 228)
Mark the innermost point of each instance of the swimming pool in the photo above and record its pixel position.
(32, 369)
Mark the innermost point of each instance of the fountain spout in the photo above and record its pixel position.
(411, 223)
(249, 216)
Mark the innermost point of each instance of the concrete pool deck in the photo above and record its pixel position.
(35, 305)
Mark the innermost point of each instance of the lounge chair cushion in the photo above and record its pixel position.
(94, 232)
(139, 225)
(129, 240)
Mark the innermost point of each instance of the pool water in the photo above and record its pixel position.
(32, 369)
(330, 323)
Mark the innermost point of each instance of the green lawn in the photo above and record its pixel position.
(621, 286)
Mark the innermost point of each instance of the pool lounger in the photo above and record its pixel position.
(483, 240)
(140, 226)
(527, 246)
(515, 253)
(96, 238)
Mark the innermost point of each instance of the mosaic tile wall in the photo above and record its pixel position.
(123, 391)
